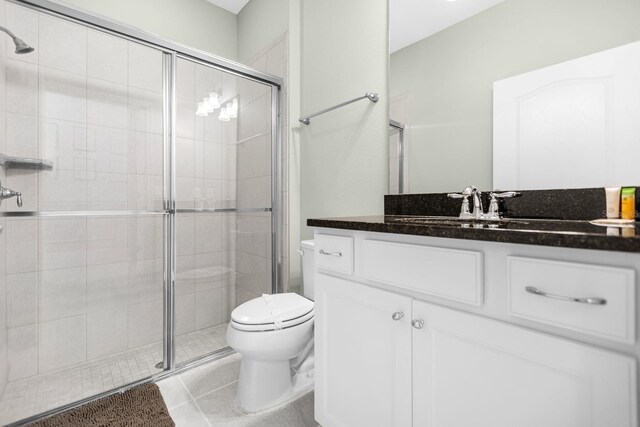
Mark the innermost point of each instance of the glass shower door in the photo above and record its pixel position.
(223, 198)
(122, 203)
(83, 255)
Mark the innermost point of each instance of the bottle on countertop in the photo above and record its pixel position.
(628, 203)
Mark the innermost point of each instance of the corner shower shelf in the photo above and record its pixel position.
(10, 162)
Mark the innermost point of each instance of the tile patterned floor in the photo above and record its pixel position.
(205, 397)
(199, 343)
(24, 398)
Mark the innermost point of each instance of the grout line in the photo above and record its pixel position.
(193, 400)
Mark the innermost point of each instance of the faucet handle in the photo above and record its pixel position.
(505, 195)
(494, 208)
(464, 210)
(6, 193)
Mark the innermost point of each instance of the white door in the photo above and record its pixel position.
(476, 372)
(570, 125)
(362, 355)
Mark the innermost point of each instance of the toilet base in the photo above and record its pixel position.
(265, 385)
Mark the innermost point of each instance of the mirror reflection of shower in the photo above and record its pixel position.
(21, 46)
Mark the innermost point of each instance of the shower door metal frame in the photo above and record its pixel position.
(401, 152)
(171, 52)
(169, 204)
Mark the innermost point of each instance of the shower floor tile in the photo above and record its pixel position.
(40, 393)
(199, 343)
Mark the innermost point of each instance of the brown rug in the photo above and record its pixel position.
(139, 406)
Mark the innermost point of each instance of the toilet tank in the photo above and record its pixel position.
(307, 247)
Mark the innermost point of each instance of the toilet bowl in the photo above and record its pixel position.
(274, 335)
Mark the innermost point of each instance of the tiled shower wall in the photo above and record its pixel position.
(253, 246)
(205, 179)
(81, 288)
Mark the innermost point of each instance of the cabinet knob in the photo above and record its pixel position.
(397, 315)
(417, 323)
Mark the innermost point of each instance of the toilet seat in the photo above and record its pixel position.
(265, 327)
(263, 313)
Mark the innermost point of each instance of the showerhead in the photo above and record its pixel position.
(21, 46)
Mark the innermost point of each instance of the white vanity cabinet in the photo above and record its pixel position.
(476, 372)
(392, 351)
(363, 355)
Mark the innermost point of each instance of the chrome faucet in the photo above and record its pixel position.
(470, 191)
(494, 206)
(464, 211)
(6, 193)
(478, 211)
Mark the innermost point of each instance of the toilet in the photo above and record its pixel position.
(274, 335)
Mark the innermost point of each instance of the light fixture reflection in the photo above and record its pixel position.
(232, 109)
(211, 102)
(202, 110)
(207, 105)
(214, 100)
(224, 115)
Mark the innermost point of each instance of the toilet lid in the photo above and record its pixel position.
(264, 310)
(266, 327)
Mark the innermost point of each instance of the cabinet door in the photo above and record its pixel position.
(472, 371)
(362, 355)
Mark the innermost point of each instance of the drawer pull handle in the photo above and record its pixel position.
(397, 315)
(417, 323)
(323, 252)
(593, 301)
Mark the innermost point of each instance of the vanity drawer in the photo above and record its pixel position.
(447, 273)
(592, 299)
(334, 253)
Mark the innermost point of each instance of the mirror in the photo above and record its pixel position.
(447, 55)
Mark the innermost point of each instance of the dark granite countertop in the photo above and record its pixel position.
(536, 217)
(546, 232)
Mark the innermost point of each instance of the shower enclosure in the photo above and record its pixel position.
(151, 205)
(397, 158)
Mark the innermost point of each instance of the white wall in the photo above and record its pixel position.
(196, 23)
(344, 153)
(448, 77)
(260, 22)
(294, 87)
